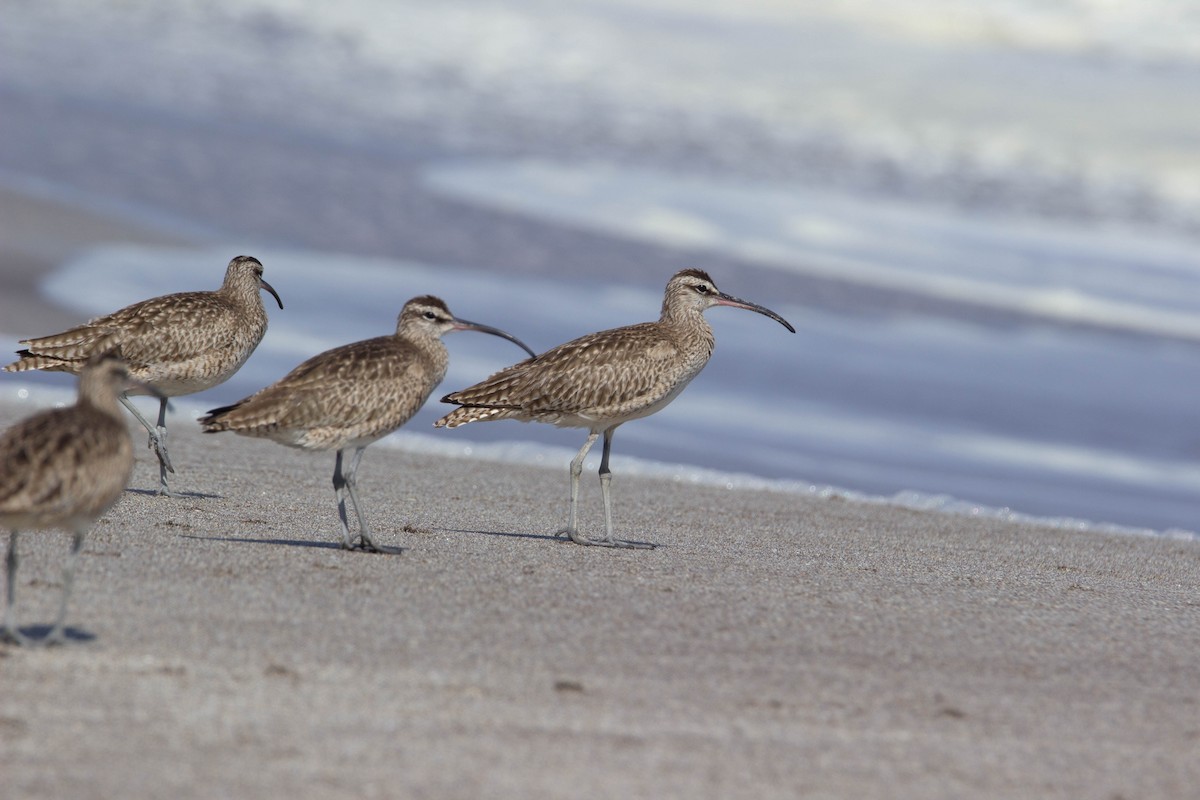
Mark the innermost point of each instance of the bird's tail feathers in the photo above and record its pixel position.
(465, 414)
(65, 352)
(217, 419)
(29, 361)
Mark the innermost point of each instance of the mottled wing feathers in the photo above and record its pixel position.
(164, 328)
(364, 389)
(179, 343)
(601, 375)
(173, 327)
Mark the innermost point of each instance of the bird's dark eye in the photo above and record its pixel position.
(429, 315)
(702, 288)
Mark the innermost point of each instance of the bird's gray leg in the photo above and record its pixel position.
(364, 533)
(10, 632)
(606, 479)
(339, 491)
(572, 529)
(160, 448)
(124, 398)
(158, 438)
(56, 635)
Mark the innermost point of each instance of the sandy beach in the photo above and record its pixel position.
(774, 645)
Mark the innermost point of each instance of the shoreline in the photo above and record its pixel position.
(38, 234)
(522, 453)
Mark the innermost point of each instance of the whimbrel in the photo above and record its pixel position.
(178, 343)
(603, 380)
(350, 396)
(63, 468)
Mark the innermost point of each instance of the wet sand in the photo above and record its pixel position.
(775, 645)
(37, 234)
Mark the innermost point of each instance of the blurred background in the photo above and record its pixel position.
(981, 217)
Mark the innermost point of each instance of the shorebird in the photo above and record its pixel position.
(64, 468)
(178, 343)
(350, 396)
(603, 380)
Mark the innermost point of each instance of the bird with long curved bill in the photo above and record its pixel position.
(603, 380)
(348, 397)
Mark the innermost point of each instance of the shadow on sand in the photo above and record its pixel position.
(552, 537)
(292, 543)
(177, 495)
(36, 634)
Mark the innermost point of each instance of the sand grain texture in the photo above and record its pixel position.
(774, 646)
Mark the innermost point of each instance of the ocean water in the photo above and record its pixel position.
(980, 220)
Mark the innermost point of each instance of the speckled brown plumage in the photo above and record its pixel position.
(600, 378)
(350, 396)
(63, 468)
(178, 343)
(605, 379)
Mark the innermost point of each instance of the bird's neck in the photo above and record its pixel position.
(434, 349)
(690, 328)
(248, 296)
(99, 396)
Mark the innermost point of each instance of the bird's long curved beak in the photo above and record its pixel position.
(729, 300)
(263, 284)
(465, 325)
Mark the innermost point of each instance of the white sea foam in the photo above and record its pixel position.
(1118, 279)
(900, 82)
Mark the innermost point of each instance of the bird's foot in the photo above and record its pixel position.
(578, 538)
(10, 635)
(158, 443)
(364, 545)
(55, 638)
